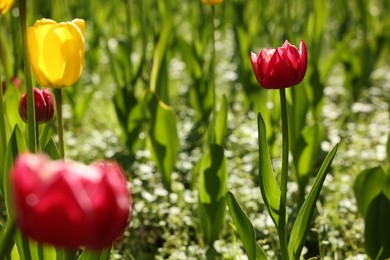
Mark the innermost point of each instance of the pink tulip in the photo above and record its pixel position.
(69, 204)
(282, 67)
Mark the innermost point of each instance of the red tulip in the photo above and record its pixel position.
(69, 204)
(44, 106)
(282, 67)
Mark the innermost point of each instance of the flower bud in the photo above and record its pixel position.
(69, 204)
(44, 106)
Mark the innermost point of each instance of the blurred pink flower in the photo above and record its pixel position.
(69, 204)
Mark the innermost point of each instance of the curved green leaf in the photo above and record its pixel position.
(51, 149)
(245, 229)
(303, 220)
(220, 121)
(377, 228)
(163, 139)
(269, 187)
(367, 186)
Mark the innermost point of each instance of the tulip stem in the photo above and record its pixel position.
(32, 142)
(58, 97)
(212, 83)
(282, 225)
(3, 137)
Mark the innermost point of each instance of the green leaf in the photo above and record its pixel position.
(368, 185)
(220, 121)
(306, 151)
(303, 220)
(377, 228)
(212, 191)
(163, 139)
(95, 255)
(160, 51)
(51, 149)
(245, 229)
(269, 187)
(11, 105)
(16, 146)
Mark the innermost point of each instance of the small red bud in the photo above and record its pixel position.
(44, 106)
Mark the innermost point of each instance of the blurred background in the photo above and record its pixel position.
(344, 99)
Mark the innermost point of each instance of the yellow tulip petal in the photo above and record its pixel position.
(56, 51)
(80, 23)
(36, 36)
(5, 5)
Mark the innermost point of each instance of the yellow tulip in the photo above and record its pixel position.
(211, 2)
(5, 5)
(56, 51)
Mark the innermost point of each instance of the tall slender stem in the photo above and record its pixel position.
(3, 137)
(32, 142)
(283, 184)
(212, 83)
(58, 97)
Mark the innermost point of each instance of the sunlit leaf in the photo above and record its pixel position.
(51, 149)
(95, 255)
(220, 121)
(212, 190)
(303, 221)
(368, 185)
(245, 229)
(269, 187)
(163, 138)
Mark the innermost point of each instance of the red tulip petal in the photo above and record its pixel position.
(278, 73)
(302, 62)
(255, 66)
(49, 104)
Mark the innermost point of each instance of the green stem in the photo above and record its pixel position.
(282, 227)
(7, 239)
(3, 137)
(212, 83)
(32, 142)
(58, 97)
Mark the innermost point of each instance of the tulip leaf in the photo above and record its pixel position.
(368, 185)
(245, 229)
(51, 149)
(269, 187)
(16, 146)
(95, 255)
(11, 106)
(163, 138)
(305, 153)
(131, 116)
(377, 228)
(312, 136)
(220, 121)
(212, 192)
(303, 220)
